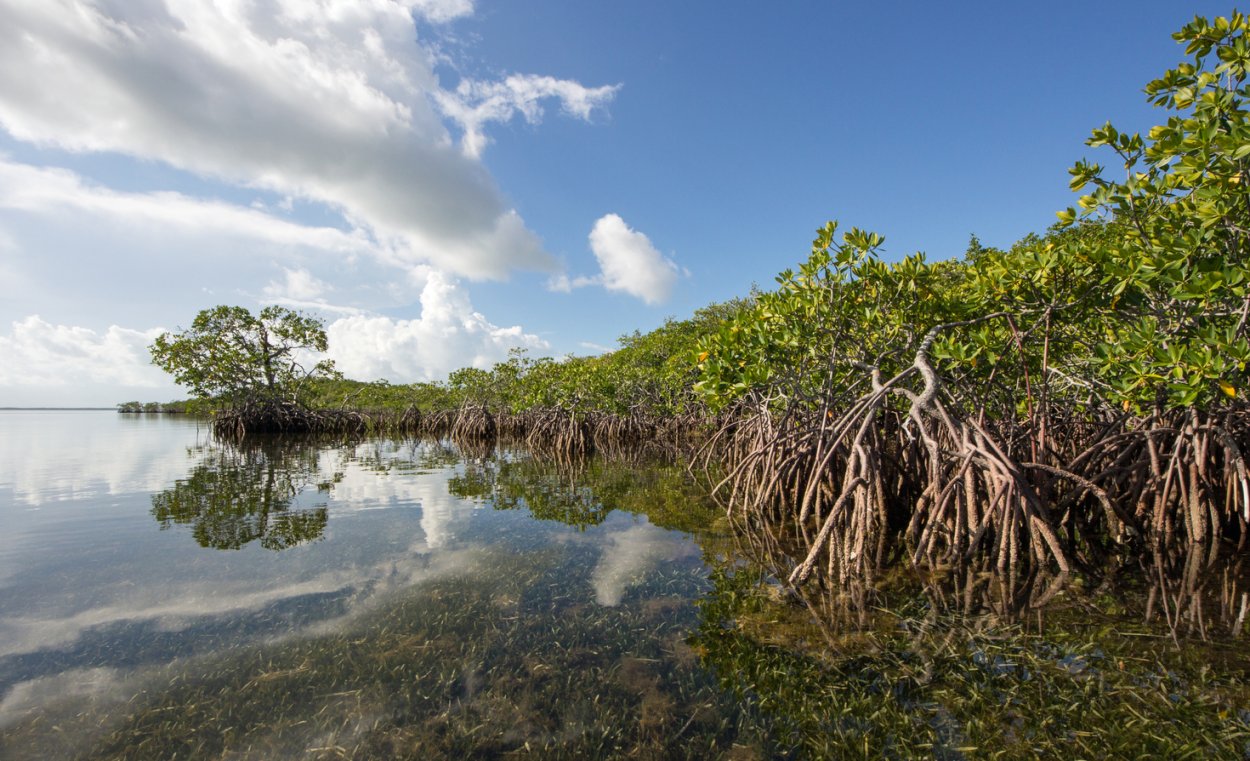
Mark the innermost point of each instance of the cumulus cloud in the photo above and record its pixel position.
(298, 285)
(449, 334)
(474, 104)
(325, 101)
(442, 11)
(300, 289)
(628, 262)
(91, 255)
(310, 142)
(39, 354)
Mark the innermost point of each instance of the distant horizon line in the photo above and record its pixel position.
(45, 407)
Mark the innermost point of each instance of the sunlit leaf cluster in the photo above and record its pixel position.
(233, 356)
(1138, 299)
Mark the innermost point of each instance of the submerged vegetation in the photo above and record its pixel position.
(904, 678)
(472, 665)
(508, 649)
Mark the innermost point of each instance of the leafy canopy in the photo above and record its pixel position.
(233, 355)
(1178, 270)
(1138, 301)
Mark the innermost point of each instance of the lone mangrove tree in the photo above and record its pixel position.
(241, 360)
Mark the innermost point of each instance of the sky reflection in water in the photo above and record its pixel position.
(395, 600)
(97, 594)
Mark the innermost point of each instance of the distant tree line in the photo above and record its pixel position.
(181, 407)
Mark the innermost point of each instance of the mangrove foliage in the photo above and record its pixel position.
(1055, 405)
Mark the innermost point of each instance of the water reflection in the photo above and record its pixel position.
(53, 457)
(248, 492)
(503, 658)
(419, 610)
(1193, 591)
(281, 492)
(962, 658)
(397, 595)
(582, 492)
(558, 490)
(630, 556)
(904, 676)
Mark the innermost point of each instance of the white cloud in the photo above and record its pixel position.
(44, 191)
(40, 357)
(46, 363)
(442, 11)
(298, 285)
(474, 104)
(39, 354)
(300, 289)
(335, 155)
(627, 263)
(88, 255)
(448, 335)
(325, 101)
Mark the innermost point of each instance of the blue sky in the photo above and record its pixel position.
(442, 180)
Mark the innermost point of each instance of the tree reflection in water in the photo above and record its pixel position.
(533, 650)
(583, 491)
(1187, 591)
(966, 662)
(248, 492)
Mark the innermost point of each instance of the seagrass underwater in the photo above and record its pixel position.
(388, 598)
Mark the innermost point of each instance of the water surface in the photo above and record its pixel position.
(165, 595)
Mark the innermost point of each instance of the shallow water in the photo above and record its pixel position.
(139, 559)
(165, 595)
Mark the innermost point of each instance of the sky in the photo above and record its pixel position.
(441, 181)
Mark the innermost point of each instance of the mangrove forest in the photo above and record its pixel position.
(1071, 399)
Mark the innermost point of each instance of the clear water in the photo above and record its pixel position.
(145, 569)
(166, 596)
